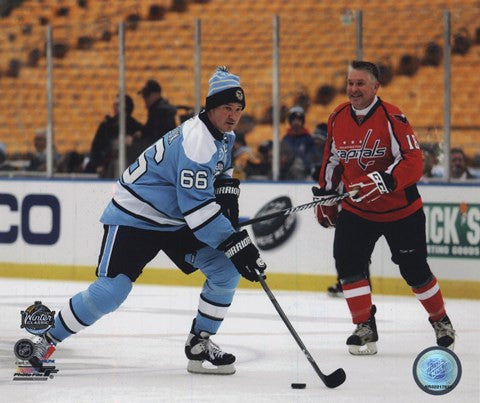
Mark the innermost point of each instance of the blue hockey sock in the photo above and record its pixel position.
(103, 296)
(213, 306)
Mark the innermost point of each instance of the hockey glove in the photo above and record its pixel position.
(226, 193)
(326, 215)
(372, 186)
(240, 249)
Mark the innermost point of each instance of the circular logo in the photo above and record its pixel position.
(24, 349)
(273, 232)
(37, 318)
(437, 370)
(239, 94)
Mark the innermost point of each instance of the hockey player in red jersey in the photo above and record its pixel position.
(371, 147)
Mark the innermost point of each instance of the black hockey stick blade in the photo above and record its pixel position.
(333, 380)
(322, 201)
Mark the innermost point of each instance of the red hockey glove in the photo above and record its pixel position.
(326, 215)
(372, 186)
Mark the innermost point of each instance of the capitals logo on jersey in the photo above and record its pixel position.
(362, 153)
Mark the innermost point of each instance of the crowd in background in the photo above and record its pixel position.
(301, 150)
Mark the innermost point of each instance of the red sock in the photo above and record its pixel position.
(359, 300)
(431, 298)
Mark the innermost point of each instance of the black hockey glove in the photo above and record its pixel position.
(240, 249)
(326, 215)
(226, 193)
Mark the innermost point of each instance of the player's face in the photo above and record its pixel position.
(361, 88)
(225, 117)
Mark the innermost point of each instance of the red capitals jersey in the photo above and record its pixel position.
(384, 141)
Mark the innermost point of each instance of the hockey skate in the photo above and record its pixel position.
(335, 291)
(35, 350)
(363, 339)
(205, 357)
(444, 332)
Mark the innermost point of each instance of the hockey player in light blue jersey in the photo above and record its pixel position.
(178, 197)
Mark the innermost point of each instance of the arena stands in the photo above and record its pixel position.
(317, 39)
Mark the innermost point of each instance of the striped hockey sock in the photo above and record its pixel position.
(210, 314)
(431, 298)
(359, 300)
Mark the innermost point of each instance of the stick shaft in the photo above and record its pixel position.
(290, 327)
(326, 200)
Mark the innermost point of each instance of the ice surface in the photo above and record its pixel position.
(136, 353)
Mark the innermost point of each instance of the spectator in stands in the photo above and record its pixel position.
(161, 114)
(4, 165)
(319, 137)
(38, 159)
(104, 149)
(458, 165)
(245, 126)
(430, 163)
(261, 169)
(296, 147)
(242, 156)
(71, 162)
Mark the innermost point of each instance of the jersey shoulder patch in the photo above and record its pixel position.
(402, 118)
(395, 113)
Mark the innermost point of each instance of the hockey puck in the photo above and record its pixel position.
(299, 385)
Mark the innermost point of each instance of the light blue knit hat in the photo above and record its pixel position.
(224, 88)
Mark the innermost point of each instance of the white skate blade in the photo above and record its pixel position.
(367, 349)
(197, 367)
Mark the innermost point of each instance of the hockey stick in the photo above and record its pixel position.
(322, 201)
(333, 380)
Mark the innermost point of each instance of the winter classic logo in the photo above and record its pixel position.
(37, 318)
(437, 370)
(453, 229)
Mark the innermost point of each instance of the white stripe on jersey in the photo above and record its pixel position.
(138, 207)
(198, 143)
(395, 150)
(333, 162)
(198, 217)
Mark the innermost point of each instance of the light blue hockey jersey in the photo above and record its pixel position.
(170, 185)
